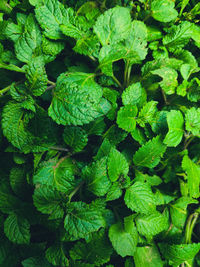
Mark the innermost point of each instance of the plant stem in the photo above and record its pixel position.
(188, 141)
(75, 190)
(6, 89)
(50, 87)
(117, 81)
(190, 226)
(59, 148)
(164, 97)
(127, 73)
(52, 83)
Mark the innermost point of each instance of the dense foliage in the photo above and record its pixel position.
(99, 133)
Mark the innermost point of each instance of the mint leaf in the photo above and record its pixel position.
(113, 26)
(192, 121)
(124, 238)
(75, 137)
(140, 198)
(175, 123)
(82, 219)
(17, 229)
(126, 118)
(163, 10)
(193, 174)
(117, 165)
(135, 94)
(56, 255)
(150, 153)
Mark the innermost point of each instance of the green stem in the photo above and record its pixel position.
(127, 73)
(52, 83)
(188, 141)
(117, 82)
(6, 89)
(189, 227)
(75, 190)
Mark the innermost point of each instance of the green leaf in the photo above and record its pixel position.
(139, 198)
(163, 10)
(75, 137)
(77, 99)
(96, 177)
(29, 41)
(117, 165)
(145, 178)
(192, 121)
(17, 229)
(35, 262)
(151, 224)
(126, 118)
(178, 254)
(82, 219)
(193, 176)
(150, 153)
(179, 35)
(114, 192)
(178, 211)
(169, 82)
(113, 26)
(52, 48)
(124, 237)
(147, 256)
(48, 201)
(99, 247)
(57, 174)
(36, 76)
(56, 255)
(14, 126)
(175, 123)
(135, 94)
(137, 40)
(18, 181)
(147, 113)
(50, 15)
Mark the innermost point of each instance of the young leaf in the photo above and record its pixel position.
(193, 176)
(150, 153)
(175, 123)
(117, 165)
(126, 118)
(135, 94)
(192, 121)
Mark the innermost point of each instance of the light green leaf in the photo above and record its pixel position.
(182, 88)
(139, 136)
(29, 41)
(169, 82)
(75, 137)
(17, 229)
(50, 15)
(124, 237)
(82, 219)
(56, 255)
(147, 113)
(150, 153)
(193, 176)
(137, 40)
(147, 179)
(117, 165)
(147, 256)
(151, 224)
(192, 121)
(113, 26)
(163, 10)
(140, 198)
(178, 254)
(96, 177)
(135, 94)
(175, 123)
(178, 211)
(48, 201)
(126, 118)
(13, 31)
(57, 174)
(10, 67)
(77, 99)
(36, 76)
